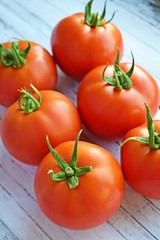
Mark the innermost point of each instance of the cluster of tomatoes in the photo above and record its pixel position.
(78, 184)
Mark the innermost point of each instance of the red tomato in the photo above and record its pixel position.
(94, 200)
(37, 67)
(109, 113)
(141, 164)
(24, 135)
(79, 46)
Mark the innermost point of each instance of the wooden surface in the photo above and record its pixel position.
(20, 216)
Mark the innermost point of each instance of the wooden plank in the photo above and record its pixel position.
(21, 205)
(130, 228)
(19, 28)
(15, 219)
(139, 208)
(5, 232)
(147, 10)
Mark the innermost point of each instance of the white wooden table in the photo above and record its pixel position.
(20, 216)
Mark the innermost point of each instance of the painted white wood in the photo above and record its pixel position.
(20, 216)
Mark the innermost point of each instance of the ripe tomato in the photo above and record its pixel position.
(83, 41)
(140, 159)
(79, 202)
(23, 134)
(109, 110)
(21, 64)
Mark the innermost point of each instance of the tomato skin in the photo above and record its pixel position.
(24, 135)
(81, 207)
(140, 164)
(78, 48)
(40, 70)
(109, 113)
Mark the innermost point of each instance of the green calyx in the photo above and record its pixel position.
(13, 56)
(27, 102)
(153, 140)
(93, 19)
(120, 80)
(70, 171)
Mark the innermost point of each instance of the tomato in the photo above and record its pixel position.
(21, 64)
(140, 157)
(83, 41)
(79, 202)
(111, 102)
(23, 129)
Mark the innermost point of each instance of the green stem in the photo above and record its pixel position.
(120, 80)
(154, 137)
(13, 56)
(27, 102)
(70, 171)
(93, 19)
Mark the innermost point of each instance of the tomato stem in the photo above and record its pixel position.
(93, 19)
(27, 102)
(13, 56)
(120, 80)
(70, 171)
(154, 137)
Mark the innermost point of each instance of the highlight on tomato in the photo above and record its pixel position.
(79, 185)
(140, 158)
(27, 121)
(111, 98)
(23, 63)
(85, 40)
